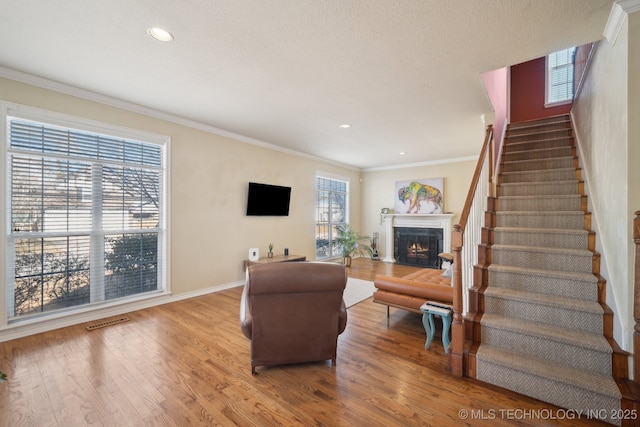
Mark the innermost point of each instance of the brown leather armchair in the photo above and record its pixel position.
(293, 312)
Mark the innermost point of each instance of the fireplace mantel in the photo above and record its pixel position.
(442, 221)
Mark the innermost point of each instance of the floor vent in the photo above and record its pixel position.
(105, 323)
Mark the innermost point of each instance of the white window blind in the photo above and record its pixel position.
(87, 217)
(560, 76)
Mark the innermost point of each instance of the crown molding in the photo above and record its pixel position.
(420, 164)
(88, 95)
(618, 15)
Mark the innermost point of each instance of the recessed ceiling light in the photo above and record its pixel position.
(402, 153)
(160, 34)
(345, 126)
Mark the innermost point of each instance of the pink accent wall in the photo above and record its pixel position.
(497, 85)
(527, 93)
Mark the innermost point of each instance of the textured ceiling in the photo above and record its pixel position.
(404, 73)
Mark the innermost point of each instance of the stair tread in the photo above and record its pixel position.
(589, 278)
(548, 332)
(537, 175)
(544, 249)
(513, 145)
(543, 196)
(537, 150)
(540, 132)
(533, 122)
(546, 219)
(542, 230)
(575, 304)
(534, 171)
(537, 125)
(514, 184)
(546, 130)
(538, 160)
(541, 213)
(588, 380)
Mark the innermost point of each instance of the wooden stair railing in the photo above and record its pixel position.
(630, 388)
(482, 185)
(636, 300)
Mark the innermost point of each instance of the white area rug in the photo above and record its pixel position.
(357, 290)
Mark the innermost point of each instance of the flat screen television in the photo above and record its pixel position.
(268, 200)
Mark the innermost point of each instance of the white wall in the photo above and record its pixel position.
(633, 157)
(378, 189)
(210, 234)
(600, 114)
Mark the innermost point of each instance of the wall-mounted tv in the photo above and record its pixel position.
(268, 200)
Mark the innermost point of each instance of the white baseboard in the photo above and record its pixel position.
(63, 319)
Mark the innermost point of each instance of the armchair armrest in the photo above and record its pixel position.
(342, 318)
(246, 320)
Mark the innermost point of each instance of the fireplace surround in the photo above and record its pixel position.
(424, 221)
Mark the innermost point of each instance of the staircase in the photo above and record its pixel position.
(543, 328)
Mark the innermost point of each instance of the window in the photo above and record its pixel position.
(559, 77)
(86, 207)
(331, 211)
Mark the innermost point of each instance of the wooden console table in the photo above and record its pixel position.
(275, 258)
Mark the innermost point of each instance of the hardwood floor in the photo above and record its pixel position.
(187, 363)
(365, 269)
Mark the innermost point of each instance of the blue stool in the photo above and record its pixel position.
(430, 309)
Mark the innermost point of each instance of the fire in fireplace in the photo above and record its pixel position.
(418, 246)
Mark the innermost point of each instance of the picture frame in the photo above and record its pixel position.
(420, 196)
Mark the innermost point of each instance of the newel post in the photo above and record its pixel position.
(457, 326)
(636, 299)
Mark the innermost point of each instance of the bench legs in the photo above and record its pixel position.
(430, 328)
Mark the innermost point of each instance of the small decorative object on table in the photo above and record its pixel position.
(270, 253)
(383, 213)
(254, 254)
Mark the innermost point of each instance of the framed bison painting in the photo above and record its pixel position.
(419, 196)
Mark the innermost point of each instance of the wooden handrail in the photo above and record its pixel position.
(476, 177)
(636, 299)
(456, 355)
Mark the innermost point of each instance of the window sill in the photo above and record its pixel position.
(557, 104)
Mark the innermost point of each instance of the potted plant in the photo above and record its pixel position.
(350, 243)
(270, 253)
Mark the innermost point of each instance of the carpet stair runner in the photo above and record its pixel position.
(542, 326)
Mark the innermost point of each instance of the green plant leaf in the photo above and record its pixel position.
(350, 242)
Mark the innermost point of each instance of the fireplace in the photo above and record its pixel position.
(418, 246)
(421, 221)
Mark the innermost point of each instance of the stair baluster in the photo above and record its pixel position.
(464, 239)
(636, 300)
